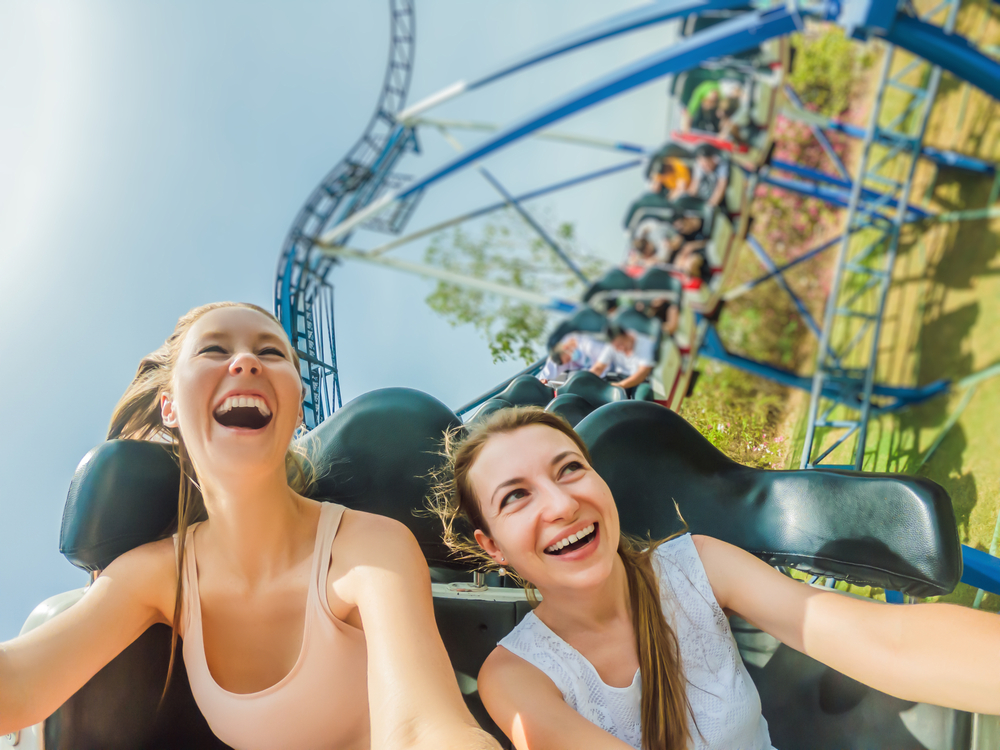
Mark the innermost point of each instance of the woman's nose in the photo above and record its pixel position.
(244, 363)
(560, 504)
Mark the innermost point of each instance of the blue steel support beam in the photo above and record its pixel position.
(936, 155)
(820, 136)
(638, 18)
(844, 390)
(980, 570)
(727, 38)
(539, 229)
(951, 52)
(768, 263)
(866, 193)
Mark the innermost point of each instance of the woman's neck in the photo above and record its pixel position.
(263, 526)
(603, 607)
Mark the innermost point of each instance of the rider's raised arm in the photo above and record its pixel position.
(413, 695)
(40, 670)
(942, 654)
(530, 710)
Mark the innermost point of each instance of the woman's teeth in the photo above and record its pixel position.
(245, 402)
(570, 539)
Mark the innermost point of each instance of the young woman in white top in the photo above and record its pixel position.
(630, 646)
(300, 619)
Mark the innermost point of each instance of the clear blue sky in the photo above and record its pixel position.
(152, 157)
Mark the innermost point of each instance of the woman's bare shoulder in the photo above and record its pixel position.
(149, 571)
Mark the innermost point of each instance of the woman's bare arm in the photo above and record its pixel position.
(530, 710)
(413, 695)
(931, 653)
(40, 670)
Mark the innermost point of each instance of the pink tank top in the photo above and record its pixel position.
(322, 703)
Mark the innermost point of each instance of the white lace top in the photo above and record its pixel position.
(724, 702)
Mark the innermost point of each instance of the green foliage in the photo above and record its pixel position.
(739, 415)
(506, 252)
(826, 70)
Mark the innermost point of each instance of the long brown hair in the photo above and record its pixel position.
(137, 417)
(665, 706)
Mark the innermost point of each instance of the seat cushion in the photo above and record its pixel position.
(570, 407)
(526, 390)
(592, 389)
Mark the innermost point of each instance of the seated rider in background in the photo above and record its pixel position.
(631, 353)
(672, 178)
(710, 175)
(689, 238)
(577, 351)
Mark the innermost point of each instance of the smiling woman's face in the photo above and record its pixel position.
(550, 515)
(236, 396)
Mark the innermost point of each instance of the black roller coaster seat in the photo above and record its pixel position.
(632, 320)
(615, 280)
(570, 407)
(488, 407)
(649, 206)
(885, 530)
(659, 280)
(592, 389)
(584, 320)
(526, 390)
(670, 149)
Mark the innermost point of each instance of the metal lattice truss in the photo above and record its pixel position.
(842, 396)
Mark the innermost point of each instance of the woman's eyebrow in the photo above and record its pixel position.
(508, 483)
(563, 455)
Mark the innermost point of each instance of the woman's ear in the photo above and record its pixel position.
(489, 547)
(168, 413)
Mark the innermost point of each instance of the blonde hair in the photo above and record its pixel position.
(665, 707)
(137, 417)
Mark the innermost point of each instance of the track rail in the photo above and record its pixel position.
(303, 297)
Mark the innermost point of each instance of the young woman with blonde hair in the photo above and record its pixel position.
(305, 624)
(630, 645)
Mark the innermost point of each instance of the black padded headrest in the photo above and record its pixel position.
(526, 390)
(615, 280)
(886, 530)
(374, 455)
(585, 320)
(488, 407)
(632, 320)
(571, 407)
(659, 279)
(591, 388)
(123, 494)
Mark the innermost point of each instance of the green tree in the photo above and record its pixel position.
(506, 251)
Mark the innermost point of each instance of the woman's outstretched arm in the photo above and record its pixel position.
(530, 710)
(413, 695)
(40, 670)
(942, 654)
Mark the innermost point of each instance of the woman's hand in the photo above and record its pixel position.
(930, 653)
(42, 669)
(413, 696)
(530, 710)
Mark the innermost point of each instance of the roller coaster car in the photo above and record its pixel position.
(884, 530)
